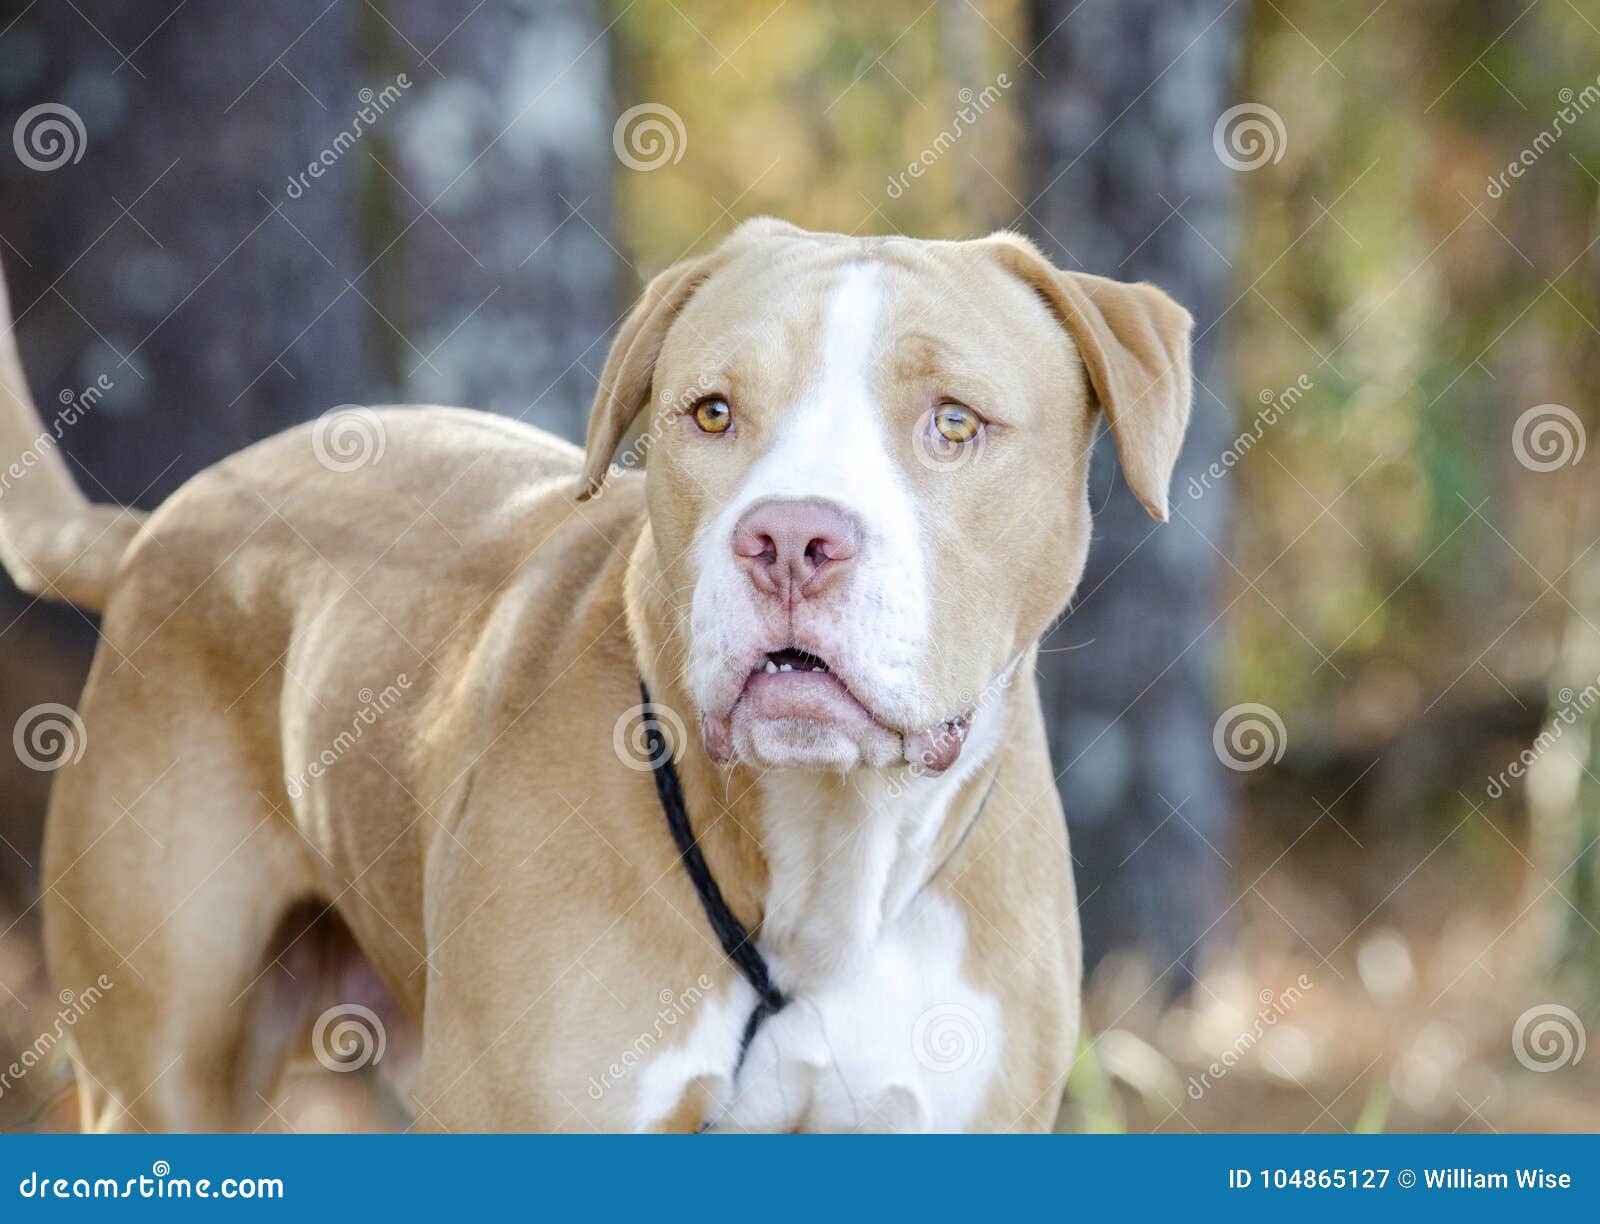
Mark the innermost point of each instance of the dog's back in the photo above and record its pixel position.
(294, 637)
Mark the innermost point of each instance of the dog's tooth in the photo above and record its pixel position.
(771, 668)
(817, 669)
(786, 667)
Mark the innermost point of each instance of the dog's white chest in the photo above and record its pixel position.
(896, 1041)
(884, 1030)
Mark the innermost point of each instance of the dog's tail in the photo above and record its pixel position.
(52, 540)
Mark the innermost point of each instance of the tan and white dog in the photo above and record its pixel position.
(392, 691)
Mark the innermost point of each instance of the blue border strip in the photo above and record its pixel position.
(800, 1178)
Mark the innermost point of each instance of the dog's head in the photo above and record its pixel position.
(867, 476)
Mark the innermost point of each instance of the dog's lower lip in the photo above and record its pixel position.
(793, 683)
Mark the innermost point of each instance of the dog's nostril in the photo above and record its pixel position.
(795, 549)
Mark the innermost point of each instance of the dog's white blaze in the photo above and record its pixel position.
(832, 446)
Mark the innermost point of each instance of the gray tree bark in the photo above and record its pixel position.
(216, 319)
(506, 285)
(1125, 183)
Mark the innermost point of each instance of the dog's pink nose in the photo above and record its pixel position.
(795, 549)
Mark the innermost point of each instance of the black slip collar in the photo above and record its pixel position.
(736, 941)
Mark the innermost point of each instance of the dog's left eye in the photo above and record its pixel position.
(956, 422)
(713, 415)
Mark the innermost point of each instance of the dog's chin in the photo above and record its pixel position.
(802, 720)
(803, 743)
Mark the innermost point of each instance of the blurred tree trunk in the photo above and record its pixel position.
(505, 288)
(216, 321)
(1124, 183)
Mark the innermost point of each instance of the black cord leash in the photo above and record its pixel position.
(736, 941)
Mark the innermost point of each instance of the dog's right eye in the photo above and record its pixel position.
(956, 422)
(713, 415)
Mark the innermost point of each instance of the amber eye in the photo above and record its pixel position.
(713, 415)
(956, 422)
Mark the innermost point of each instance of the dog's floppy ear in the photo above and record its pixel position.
(624, 389)
(1134, 341)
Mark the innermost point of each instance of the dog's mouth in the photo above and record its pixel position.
(790, 659)
(795, 702)
(793, 683)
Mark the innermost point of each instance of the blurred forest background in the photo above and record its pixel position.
(1313, 897)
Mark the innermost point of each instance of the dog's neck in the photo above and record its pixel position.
(847, 854)
(818, 863)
